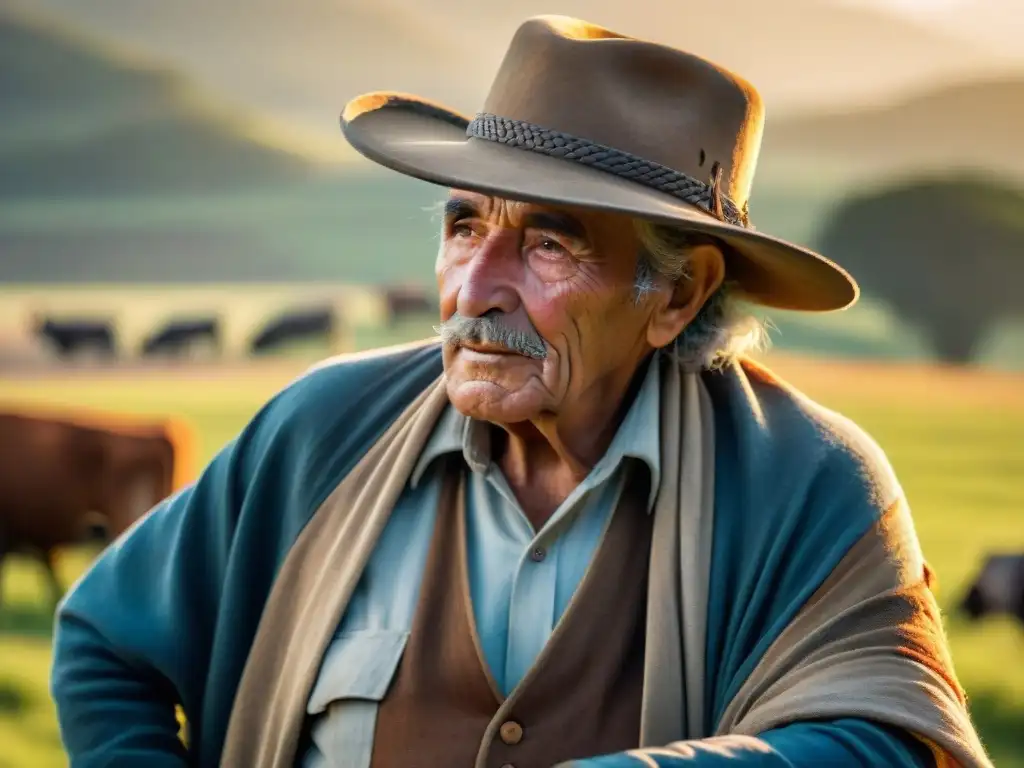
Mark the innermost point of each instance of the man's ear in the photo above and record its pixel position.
(705, 272)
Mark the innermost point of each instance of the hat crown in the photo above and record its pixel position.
(658, 103)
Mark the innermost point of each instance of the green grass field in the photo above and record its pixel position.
(956, 440)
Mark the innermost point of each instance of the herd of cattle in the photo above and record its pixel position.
(65, 482)
(70, 336)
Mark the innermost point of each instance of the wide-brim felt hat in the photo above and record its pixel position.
(578, 115)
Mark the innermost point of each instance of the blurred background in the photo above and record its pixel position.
(183, 230)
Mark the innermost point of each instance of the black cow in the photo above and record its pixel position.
(178, 336)
(998, 589)
(295, 324)
(402, 301)
(70, 336)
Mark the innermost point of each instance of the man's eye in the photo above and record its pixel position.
(552, 247)
(461, 230)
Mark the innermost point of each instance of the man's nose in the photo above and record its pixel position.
(490, 279)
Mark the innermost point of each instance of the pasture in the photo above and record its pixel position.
(956, 439)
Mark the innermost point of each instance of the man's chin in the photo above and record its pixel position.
(489, 401)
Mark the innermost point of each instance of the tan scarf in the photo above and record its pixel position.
(321, 570)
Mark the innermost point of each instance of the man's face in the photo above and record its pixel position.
(555, 287)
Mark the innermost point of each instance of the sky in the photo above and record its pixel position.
(998, 24)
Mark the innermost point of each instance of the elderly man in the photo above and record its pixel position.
(582, 529)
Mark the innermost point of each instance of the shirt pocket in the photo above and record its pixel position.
(354, 678)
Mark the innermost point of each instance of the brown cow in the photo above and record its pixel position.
(62, 483)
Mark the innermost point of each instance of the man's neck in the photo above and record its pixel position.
(544, 460)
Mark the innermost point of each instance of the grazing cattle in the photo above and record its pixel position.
(71, 336)
(998, 589)
(296, 324)
(402, 301)
(63, 483)
(179, 336)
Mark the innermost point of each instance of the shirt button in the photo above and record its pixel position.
(538, 553)
(511, 732)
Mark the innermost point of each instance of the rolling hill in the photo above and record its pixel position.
(77, 121)
(962, 126)
(112, 169)
(298, 60)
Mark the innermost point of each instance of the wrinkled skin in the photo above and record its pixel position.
(567, 274)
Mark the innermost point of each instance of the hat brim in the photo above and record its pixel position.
(419, 138)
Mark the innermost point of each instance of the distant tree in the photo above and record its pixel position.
(946, 253)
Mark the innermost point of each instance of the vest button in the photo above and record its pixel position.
(511, 732)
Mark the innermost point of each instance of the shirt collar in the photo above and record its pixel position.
(638, 437)
(452, 433)
(639, 434)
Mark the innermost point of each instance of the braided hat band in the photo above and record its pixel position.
(534, 138)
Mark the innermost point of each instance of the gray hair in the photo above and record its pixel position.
(724, 328)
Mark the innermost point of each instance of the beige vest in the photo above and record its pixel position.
(581, 698)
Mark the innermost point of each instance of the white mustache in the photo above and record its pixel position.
(491, 329)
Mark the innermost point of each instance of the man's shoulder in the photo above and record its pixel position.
(784, 432)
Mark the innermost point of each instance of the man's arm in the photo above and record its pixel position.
(138, 626)
(168, 612)
(838, 744)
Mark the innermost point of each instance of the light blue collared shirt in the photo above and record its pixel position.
(520, 579)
